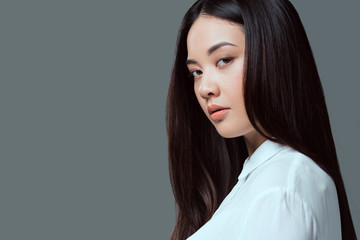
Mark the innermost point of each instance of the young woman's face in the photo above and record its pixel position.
(216, 62)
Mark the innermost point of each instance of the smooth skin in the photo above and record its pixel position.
(216, 61)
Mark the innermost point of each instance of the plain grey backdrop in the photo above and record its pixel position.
(83, 86)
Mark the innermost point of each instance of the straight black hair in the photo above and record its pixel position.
(282, 92)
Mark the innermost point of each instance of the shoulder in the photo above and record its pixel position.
(305, 177)
(295, 172)
(295, 181)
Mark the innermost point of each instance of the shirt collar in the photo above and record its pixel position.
(263, 153)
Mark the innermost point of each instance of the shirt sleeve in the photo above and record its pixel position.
(279, 214)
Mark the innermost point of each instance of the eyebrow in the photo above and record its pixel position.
(211, 50)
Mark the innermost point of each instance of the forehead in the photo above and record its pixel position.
(207, 31)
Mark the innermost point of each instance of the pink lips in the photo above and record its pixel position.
(217, 112)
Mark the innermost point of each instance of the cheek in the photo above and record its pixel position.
(196, 92)
(200, 100)
(235, 86)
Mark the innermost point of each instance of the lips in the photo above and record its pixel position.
(214, 108)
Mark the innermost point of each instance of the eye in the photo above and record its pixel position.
(224, 61)
(195, 74)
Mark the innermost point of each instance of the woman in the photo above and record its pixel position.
(251, 153)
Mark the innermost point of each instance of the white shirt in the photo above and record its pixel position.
(280, 194)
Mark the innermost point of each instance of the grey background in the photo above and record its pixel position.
(82, 94)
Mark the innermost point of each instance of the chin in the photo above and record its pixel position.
(227, 133)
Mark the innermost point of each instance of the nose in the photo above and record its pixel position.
(208, 86)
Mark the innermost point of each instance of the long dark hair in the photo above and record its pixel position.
(282, 91)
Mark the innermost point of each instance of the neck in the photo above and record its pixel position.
(253, 140)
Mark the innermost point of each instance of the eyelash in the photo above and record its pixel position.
(228, 60)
